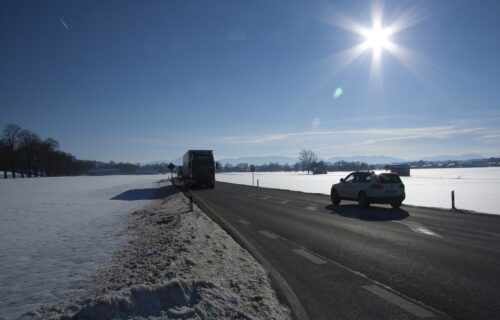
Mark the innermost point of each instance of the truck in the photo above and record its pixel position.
(198, 168)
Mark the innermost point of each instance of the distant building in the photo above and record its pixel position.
(402, 169)
(319, 171)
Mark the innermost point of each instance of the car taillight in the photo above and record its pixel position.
(401, 186)
(376, 186)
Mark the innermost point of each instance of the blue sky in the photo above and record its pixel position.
(144, 81)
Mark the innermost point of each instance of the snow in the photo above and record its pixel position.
(175, 264)
(55, 232)
(475, 189)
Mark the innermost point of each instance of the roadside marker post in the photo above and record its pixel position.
(453, 200)
(252, 168)
(190, 201)
(257, 183)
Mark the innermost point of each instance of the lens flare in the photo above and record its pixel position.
(338, 92)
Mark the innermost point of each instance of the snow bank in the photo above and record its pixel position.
(475, 188)
(175, 264)
(55, 232)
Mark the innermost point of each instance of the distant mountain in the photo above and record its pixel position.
(367, 159)
(259, 160)
(463, 157)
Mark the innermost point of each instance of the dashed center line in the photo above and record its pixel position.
(265, 198)
(312, 208)
(419, 228)
(269, 234)
(284, 201)
(243, 221)
(404, 304)
(309, 256)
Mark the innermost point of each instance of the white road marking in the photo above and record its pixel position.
(269, 234)
(284, 201)
(419, 228)
(265, 198)
(243, 221)
(251, 195)
(466, 229)
(309, 256)
(401, 302)
(312, 208)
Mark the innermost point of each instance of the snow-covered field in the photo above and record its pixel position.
(175, 264)
(55, 232)
(476, 189)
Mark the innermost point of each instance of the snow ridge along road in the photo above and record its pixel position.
(375, 269)
(176, 264)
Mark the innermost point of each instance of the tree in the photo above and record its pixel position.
(306, 158)
(3, 158)
(10, 137)
(46, 149)
(29, 150)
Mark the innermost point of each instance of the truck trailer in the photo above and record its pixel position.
(198, 168)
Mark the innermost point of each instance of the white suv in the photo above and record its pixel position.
(369, 187)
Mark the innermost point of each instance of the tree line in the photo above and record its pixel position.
(306, 161)
(23, 152)
(26, 154)
(297, 166)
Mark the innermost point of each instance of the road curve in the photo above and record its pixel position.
(343, 262)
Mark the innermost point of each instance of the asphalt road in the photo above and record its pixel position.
(343, 262)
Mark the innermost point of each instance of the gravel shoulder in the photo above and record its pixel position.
(176, 264)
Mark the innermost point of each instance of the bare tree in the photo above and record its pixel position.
(46, 152)
(29, 147)
(3, 158)
(306, 158)
(10, 137)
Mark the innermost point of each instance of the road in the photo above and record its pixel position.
(343, 262)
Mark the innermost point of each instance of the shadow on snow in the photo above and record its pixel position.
(146, 194)
(371, 214)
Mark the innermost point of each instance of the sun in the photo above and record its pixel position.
(376, 39)
(379, 37)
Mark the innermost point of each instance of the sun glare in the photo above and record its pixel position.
(376, 38)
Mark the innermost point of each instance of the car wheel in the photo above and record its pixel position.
(396, 205)
(335, 197)
(363, 200)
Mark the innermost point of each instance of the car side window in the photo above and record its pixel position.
(365, 178)
(362, 178)
(349, 178)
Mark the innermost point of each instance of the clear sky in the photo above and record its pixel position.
(146, 80)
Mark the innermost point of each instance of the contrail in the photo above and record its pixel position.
(64, 23)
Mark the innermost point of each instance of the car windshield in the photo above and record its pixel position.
(388, 178)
